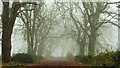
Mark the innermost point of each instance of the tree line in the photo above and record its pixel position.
(86, 19)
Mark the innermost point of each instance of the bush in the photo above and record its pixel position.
(83, 58)
(116, 57)
(26, 58)
(109, 63)
(22, 58)
(37, 58)
(103, 59)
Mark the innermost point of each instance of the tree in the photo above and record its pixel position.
(94, 11)
(32, 22)
(88, 20)
(8, 20)
(38, 22)
(77, 31)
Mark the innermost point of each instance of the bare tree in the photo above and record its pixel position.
(88, 25)
(32, 25)
(8, 20)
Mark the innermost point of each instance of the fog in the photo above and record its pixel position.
(64, 44)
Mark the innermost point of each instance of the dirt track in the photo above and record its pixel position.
(57, 63)
(48, 64)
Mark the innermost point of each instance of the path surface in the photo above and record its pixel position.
(48, 64)
(57, 63)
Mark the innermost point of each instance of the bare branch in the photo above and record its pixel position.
(114, 24)
(59, 36)
(104, 7)
(83, 29)
(25, 10)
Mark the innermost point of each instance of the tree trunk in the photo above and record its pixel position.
(92, 40)
(6, 35)
(40, 50)
(82, 46)
(31, 45)
(36, 43)
(8, 21)
(28, 43)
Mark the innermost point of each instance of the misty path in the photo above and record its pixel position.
(52, 33)
(57, 63)
(47, 63)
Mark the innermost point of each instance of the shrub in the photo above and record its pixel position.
(37, 58)
(83, 58)
(22, 58)
(116, 57)
(109, 63)
(26, 58)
